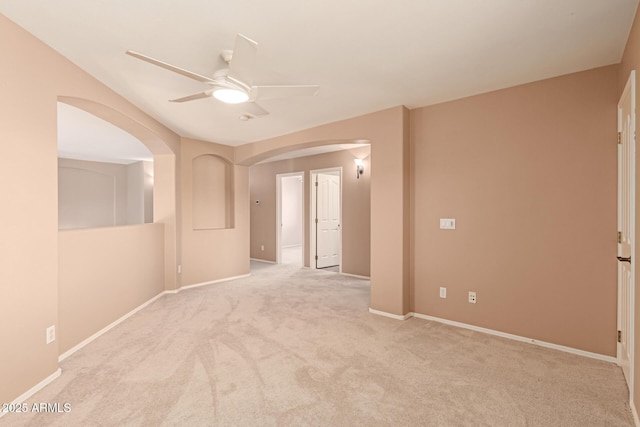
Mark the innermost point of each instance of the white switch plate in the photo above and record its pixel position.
(51, 334)
(447, 223)
(443, 292)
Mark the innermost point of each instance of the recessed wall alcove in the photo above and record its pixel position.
(212, 197)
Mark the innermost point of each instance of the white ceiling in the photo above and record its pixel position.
(366, 56)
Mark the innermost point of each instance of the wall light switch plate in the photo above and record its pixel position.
(447, 223)
(443, 292)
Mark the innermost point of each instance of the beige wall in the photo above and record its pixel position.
(29, 217)
(355, 206)
(529, 174)
(213, 254)
(98, 194)
(104, 273)
(631, 61)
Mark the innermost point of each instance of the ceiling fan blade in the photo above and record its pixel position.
(170, 67)
(270, 92)
(253, 109)
(193, 97)
(243, 61)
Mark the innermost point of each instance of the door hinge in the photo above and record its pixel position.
(316, 220)
(619, 137)
(316, 257)
(619, 236)
(619, 336)
(317, 181)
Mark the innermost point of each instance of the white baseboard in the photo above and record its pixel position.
(140, 307)
(519, 338)
(226, 279)
(107, 328)
(636, 420)
(392, 316)
(545, 344)
(356, 276)
(262, 260)
(33, 390)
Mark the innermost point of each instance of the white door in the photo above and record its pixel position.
(327, 220)
(626, 228)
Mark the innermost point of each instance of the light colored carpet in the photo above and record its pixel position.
(298, 347)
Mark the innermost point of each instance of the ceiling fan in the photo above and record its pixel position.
(234, 85)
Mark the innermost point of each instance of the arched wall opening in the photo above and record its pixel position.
(106, 272)
(354, 229)
(105, 175)
(388, 132)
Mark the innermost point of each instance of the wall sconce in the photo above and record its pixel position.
(359, 168)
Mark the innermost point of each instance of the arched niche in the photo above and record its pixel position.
(212, 193)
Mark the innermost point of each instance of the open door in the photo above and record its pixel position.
(327, 218)
(626, 229)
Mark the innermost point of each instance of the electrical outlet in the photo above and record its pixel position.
(472, 297)
(51, 334)
(443, 292)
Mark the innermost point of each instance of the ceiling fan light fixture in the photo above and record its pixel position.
(231, 96)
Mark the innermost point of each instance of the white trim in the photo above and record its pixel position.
(33, 390)
(226, 279)
(636, 420)
(519, 338)
(107, 328)
(392, 316)
(262, 260)
(545, 344)
(104, 330)
(356, 276)
(135, 310)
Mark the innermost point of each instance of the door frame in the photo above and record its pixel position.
(313, 248)
(279, 178)
(630, 91)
